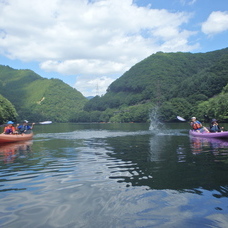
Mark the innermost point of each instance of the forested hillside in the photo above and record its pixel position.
(39, 99)
(176, 82)
(182, 84)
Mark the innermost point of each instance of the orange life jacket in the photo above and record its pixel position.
(9, 129)
(196, 125)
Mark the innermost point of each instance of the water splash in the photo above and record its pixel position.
(155, 124)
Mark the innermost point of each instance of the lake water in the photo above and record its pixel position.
(114, 175)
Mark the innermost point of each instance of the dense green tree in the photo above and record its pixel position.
(7, 110)
(216, 107)
(175, 107)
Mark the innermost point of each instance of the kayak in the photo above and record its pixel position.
(4, 138)
(223, 134)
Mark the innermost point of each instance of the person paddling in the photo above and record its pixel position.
(24, 128)
(9, 129)
(214, 127)
(197, 126)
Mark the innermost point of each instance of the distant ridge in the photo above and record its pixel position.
(89, 97)
(37, 98)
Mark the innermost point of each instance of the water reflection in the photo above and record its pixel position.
(9, 152)
(170, 162)
(114, 178)
(216, 146)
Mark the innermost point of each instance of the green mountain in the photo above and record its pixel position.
(183, 84)
(175, 82)
(39, 99)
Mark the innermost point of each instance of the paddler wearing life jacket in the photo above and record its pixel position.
(24, 128)
(9, 129)
(197, 126)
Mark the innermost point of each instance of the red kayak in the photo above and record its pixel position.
(223, 134)
(5, 138)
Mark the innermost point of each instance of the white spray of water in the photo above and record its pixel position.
(155, 124)
(158, 127)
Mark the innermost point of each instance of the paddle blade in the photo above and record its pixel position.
(181, 118)
(45, 122)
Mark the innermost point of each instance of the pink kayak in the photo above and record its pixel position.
(223, 134)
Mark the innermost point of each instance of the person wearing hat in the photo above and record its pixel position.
(24, 128)
(214, 127)
(9, 129)
(197, 126)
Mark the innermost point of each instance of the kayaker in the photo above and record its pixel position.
(214, 127)
(9, 129)
(24, 128)
(197, 126)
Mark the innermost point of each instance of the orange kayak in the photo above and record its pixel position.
(4, 138)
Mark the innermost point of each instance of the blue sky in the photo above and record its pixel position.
(89, 44)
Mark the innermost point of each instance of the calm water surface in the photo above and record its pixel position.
(114, 175)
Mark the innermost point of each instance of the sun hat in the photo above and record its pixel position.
(10, 122)
(25, 121)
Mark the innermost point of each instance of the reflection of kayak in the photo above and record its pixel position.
(15, 146)
(218, 142)
(215, 148)
(4, 138)
(223, 134)
(10, 151)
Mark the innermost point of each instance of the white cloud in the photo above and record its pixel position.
(217, 22)
(93, 86)
(89, 38)
(84, 66)
(188, 2)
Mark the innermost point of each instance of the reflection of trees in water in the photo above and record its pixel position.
(168, 162)
(11, 151)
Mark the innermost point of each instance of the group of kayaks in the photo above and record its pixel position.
(4, 138)
(8, 138)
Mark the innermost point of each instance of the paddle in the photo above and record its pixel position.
(181, 118)
(44, 122)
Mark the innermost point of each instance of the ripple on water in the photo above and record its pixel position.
(87, 180)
